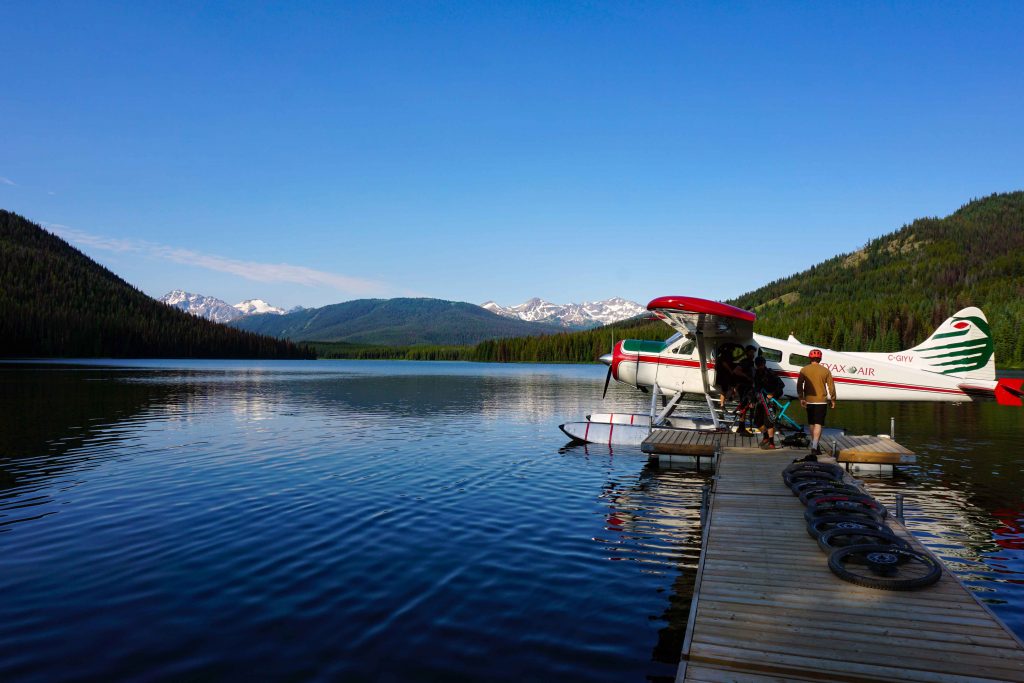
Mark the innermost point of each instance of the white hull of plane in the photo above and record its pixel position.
(606, 433)
(644, 420)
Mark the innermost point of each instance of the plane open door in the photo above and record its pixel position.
(710, 322)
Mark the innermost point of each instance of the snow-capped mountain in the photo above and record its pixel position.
(258, 307)
(587, 314)
(215, 309)
(207, 307)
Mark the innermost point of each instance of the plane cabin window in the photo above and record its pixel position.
(798, 360)
(771, 355)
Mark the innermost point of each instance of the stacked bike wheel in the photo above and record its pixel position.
(849, 525)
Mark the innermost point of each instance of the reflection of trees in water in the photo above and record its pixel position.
(48, 415)
(49, 412)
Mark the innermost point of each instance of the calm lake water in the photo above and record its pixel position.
(390, 521)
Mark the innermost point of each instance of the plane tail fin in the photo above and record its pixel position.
(962, 346)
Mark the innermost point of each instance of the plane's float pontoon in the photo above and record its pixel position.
(955, 364)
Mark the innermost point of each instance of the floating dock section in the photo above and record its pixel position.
(767, 608)
(689, 446)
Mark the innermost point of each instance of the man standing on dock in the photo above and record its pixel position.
(817, 393)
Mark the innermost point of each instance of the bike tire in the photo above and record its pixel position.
(819, 525)
(813, 466)
(810, 515)
(924, 572)
(812, 475)
(831, 539)
(802, 485)
(810, 493)
(834, 503)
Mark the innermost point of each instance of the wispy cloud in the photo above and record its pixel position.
(7, 181)
(250, 270)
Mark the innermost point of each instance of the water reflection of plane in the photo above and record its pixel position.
(1010, 532)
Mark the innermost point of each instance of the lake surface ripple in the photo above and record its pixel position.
(386, 521)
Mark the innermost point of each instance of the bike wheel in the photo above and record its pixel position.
(841, 538)
(850, 519)
(810, 493)
(884, 567)
(813, 467)
(844, 503)
(813, 475)
(802, 485)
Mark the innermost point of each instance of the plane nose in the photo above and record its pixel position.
(606, 359)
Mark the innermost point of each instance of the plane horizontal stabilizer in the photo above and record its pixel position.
(1010, 392)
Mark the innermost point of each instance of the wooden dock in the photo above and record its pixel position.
(693, 445)
(767, 608)
(875, 450)
(695, 442)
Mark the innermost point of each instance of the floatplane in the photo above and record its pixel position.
(955, 364)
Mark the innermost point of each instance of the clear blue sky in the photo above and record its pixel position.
(473, 151)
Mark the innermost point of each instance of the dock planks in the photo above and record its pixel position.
(668, 441)
(872, 449)
(767, 608)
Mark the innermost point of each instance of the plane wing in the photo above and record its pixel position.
(713, 319)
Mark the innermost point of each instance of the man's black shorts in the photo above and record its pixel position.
(816, 413)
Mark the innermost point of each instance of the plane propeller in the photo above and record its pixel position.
(607, 360)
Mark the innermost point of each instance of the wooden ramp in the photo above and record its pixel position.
(767, 608)
(667, 441)
(705, 443)
(872, 449)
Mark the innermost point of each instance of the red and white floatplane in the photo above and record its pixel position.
(955, 364)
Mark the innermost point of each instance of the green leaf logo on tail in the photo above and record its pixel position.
(963, 356)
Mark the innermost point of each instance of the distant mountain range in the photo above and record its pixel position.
(215, 309)
(573, 316)
(576, 316)
(394, 322)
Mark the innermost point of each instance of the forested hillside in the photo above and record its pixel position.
(56, 302)
(891, 294)
(394, 322)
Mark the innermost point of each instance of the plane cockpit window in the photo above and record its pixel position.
(771, 355)
(686, 347)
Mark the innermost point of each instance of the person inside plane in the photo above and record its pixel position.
(744, 370)
(725, 372)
